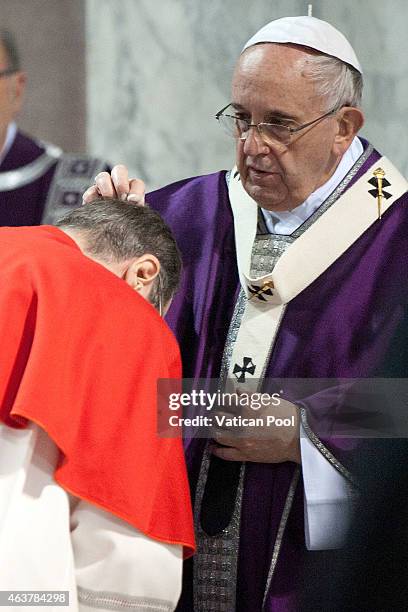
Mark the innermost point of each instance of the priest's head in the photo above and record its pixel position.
(12, 82)
(296, 108)
(131, 241)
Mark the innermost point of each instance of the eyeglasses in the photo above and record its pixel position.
(7, 72)
(271, 133)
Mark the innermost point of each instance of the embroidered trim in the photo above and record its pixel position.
(267, 250)
(73, 175)
(14, 179)
(232, 335)
(216, 561)
(281, 531)
(108, 600)
(336, 193)
(323, 449)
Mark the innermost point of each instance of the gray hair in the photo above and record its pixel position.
(338, 83)
(118, 231)
(8, 41)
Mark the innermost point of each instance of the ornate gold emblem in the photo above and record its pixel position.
(259, 292)
(379, 175)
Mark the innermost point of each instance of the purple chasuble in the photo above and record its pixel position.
(24, 205)
(342, 325)
(64, 179)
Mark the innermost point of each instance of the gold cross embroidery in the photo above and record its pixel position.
(379, 175)
(267, 285)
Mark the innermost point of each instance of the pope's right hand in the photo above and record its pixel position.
(116, 185)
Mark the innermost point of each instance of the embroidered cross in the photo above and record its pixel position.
(261, 292)
(378, 181)
(80, 166)
(247, 366)
(71, 198)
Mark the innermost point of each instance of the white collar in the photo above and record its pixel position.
(8, 143)
(287, 222)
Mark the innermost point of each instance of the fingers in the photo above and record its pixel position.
(226, 440)
(90, 194)
(136, 193)
(105, 186)
(120, 180)
(228, 454)
(116, 185)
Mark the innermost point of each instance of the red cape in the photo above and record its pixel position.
(81, 354)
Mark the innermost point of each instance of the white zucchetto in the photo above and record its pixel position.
(308, 32)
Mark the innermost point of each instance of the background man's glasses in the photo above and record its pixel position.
(273, 133)
(7, 72)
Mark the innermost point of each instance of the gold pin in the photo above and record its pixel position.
(379, 175)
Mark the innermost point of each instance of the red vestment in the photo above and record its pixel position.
(81, 353)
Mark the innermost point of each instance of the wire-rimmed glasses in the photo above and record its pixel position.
(280, 133)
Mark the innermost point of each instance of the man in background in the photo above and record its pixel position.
(92, 501)
(38, 182)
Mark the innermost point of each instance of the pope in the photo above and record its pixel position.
(295, 266)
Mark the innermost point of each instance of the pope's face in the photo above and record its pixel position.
(269, 85)
(11, 90)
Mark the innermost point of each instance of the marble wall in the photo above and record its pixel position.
(378, 32)
(158, 72)
(51, 39)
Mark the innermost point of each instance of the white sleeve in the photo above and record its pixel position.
(52, 541)
(117, 566)
(328, 499)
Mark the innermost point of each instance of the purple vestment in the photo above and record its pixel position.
(342, 325)
(24, 205)
(64, 179)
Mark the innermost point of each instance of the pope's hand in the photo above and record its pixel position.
(116, 185)
(274, 445)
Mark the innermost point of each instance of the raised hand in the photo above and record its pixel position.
(116, 185)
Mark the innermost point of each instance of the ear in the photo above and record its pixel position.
(350, 121)
(18, 89)
(141, 273)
